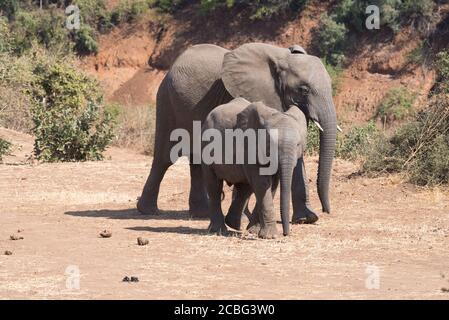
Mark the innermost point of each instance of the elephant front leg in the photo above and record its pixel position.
(198, 202)
(302, 213)
(214, 188)
(268, 229)
(254, 221)
(238, 211)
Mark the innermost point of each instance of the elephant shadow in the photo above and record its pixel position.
(122, 214)
(177, 229)
(126, 214)
(131, 214)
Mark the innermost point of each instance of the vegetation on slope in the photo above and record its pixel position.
(43, 91)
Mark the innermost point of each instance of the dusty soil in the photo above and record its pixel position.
(60, 210)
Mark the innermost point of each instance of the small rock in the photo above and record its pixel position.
(106, 234)
(15, 237)
(126, 279)
(142, 241)
(134, 279)
(19, 230)
(8, 253)
(445, 290)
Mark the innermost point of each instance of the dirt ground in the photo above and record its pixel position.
(384, 239)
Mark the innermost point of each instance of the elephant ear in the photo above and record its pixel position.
(258, 116)
(296, 48)
(251, 72)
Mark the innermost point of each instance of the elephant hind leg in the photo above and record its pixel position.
(237, 213)
(198, 201)
(147, 203)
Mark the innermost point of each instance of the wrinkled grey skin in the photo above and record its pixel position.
(291, 127)
(205, 76)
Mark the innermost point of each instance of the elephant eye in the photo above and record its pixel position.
(303, 90)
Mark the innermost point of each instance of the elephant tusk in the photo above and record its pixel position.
(318, 125)
(339, 129)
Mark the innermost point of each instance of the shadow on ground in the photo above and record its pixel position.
(181, 215)
(132, 214)
(180, 230)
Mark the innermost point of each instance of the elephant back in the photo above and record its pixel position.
(194, 73)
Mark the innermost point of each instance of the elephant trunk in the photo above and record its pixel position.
(328, 120)
(287, 163)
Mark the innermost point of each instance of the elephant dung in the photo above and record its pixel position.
(106, 234)
(142, 241)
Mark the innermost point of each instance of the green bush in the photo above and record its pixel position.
(350, 15)
(171, 6)
(313, 139)
(417, 55)
(332, 37)
(9, 8)
(335, 73)
(5, 148)
(420, 13)
(397, 105)
(45, 27)
(442, 68)
(353, 145)
(68, 124)
(85, 42)
(93, 12)
(265, 9)
(5, 36)
(393, 13)
(257, 9)
(129, 11)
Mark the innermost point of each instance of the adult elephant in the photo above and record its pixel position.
(206, 75)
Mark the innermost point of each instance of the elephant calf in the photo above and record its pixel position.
(254, 176)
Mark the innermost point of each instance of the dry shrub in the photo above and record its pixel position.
(135, 128)
(419, 148)
(16, 77)
(14, 110)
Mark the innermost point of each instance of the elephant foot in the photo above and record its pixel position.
(309, 218)
(236, 221)
(253, 228)
(218, 228)
(268, 231)
(199, 210)
(147, 209)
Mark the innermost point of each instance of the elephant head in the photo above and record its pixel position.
(279, 78)
(291, 128)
